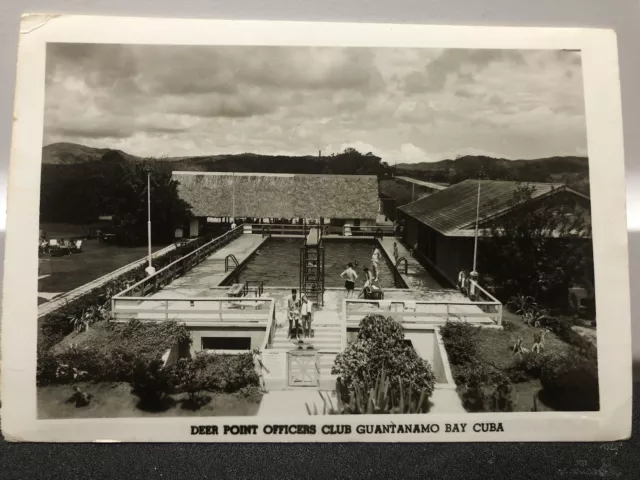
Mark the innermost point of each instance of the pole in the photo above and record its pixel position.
(150, 270)
(413, 191)
(475, 248)
(233, 196)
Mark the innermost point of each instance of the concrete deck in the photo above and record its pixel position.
(210, 273)
(416, 278)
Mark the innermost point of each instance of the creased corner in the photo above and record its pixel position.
(34, 21)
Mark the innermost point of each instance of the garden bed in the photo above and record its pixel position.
(115, 400)
(490, 376)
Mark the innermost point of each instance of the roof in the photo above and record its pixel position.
(452, 211)
(434, 186)
(268, 195)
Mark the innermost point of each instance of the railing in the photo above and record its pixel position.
(479, 295)
(258, 289)
(406, 265)
(166, 275)
(194, 311)
(376, 231)
(423, 312)
(298, 230)
(228, 258)
(270, 333)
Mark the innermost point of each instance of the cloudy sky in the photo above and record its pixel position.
(405, 105)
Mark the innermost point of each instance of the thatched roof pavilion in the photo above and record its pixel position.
(266, 195)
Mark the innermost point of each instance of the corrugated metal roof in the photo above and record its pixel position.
(454, 209)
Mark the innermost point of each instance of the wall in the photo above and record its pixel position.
(255, 332)
(454, 254)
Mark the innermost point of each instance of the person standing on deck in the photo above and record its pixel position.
(395, 251)
(375, 258)
(293, 312)
(349, 276)
(305, 313)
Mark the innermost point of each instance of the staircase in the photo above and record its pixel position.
(327, 338)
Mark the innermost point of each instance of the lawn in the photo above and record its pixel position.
(112, 400)
(97, 259)
(494, 348)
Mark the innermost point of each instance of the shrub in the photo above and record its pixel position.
(186, 377)
(380, 347)
(113, 357)
(570, 382)
(528, 366)
(151, 383)
(227, 373)
(490, 392)
(508, 326)
(460, 340)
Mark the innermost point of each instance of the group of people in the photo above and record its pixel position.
(369, 289)
(299, 315)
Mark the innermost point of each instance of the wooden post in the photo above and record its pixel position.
(447, 311)
(166, 310)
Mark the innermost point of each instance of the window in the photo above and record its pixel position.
(226, 343)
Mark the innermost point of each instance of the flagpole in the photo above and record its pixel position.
(475, 248)
(150, 270)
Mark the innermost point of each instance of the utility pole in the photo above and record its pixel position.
(150, 270)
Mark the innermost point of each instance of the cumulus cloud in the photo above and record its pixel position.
(405, 105)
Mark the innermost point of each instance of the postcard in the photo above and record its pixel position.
(258, 231)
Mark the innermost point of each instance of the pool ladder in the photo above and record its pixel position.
(230, 260)
(406, 264)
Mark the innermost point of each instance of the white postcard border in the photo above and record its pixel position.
(606, 161)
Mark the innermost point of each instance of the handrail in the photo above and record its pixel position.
(496, 315)
(230, 235)
(269, 333)
(406, 264)
(231, 256)
(161, 307)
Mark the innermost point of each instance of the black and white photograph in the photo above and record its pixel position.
(299, 232)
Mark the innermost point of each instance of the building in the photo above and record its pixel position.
(398, 191)
(329, 199)
(441, 227)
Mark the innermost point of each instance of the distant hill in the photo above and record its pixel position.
(573, 171)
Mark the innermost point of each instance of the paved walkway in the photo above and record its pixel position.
(294, 402)
(210, 273)
(287, 403)
(416, 278)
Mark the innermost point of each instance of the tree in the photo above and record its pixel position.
(122, 192)
(538, 248)
(381, 347)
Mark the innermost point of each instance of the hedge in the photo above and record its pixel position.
(111, 353)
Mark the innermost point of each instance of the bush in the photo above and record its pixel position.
(528, 366)
(508, 326)
(570, 382)
(490, 392)
(380, 347)
(152, 384)
(460, 340)
(112, 358)
(227, 373)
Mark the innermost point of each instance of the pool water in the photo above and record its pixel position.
(277, 263)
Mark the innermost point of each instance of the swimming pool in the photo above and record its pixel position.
(277, 263)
